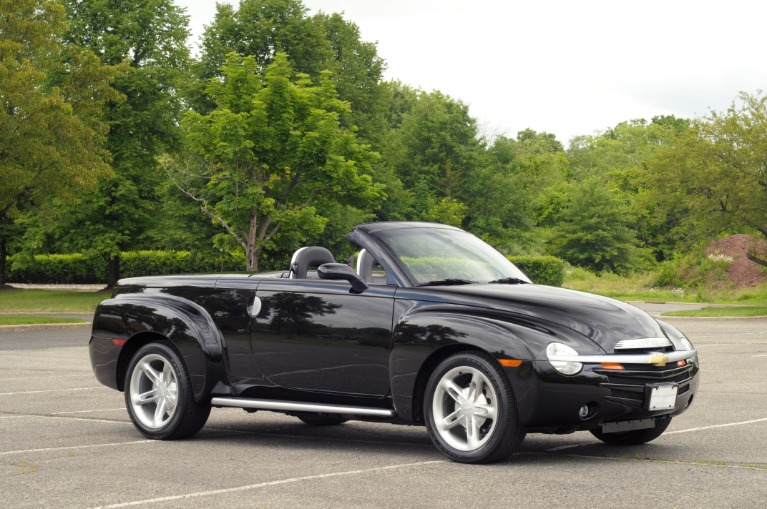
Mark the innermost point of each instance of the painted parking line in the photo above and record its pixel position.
(87, 411)
(742, 423)
(73, 447)
(52, 390)
(269, 483)
(28, 378)
(690, 430)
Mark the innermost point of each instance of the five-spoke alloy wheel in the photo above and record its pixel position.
(158, 394)
(470, 410)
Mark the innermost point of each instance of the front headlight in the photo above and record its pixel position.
(686, 343)
(564, 367)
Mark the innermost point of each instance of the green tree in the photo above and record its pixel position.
(149, 36)
(314, 44)
(593, 229)
(718, 169)
(51, 137)
(271, 157)
(510, 190)
(621, 157)
(435, 151)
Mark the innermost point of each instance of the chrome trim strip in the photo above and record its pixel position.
(292, 406)
(629, 344)
(655, 358)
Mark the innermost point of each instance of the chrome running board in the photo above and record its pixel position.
(292, 406)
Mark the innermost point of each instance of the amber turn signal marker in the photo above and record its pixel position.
(681, 363)
(510, 363)
(612, 365)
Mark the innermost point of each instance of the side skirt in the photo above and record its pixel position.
(293, 406)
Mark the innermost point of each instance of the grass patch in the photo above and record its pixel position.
(49, 301)
(640, 287)
(722, 312)
(35, 320)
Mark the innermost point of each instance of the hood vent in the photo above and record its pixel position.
(643, 344)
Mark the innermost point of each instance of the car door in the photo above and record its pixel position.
(316, 335)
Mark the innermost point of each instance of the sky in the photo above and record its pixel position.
(562, 66)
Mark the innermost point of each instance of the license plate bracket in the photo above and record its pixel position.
(661, 396)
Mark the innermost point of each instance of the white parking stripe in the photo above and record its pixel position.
(702, 428)
(269, 483)
(90, 375)
(715, 426)
(52, 390)
(72, 447)
(88, 411)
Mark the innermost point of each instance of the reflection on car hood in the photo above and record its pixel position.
(603, 320)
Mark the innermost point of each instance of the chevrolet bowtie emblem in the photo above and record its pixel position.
(658, 359)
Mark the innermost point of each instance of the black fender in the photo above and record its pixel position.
(426, 334)
(137, 318)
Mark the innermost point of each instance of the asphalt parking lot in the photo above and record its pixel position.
(66, 441)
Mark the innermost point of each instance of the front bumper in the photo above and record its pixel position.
(554, 403)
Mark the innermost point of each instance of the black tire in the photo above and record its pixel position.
(320, 419)
(159, 397)
(635, 437)
(466, 425)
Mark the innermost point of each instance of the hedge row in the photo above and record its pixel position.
(542, 270)
(81, 269)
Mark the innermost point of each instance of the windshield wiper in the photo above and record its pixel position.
(448, 282)
(508, 281)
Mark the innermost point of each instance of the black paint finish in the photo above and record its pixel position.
(318, 340)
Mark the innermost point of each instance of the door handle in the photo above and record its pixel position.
(255, 308)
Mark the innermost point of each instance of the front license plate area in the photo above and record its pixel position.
(661, 397)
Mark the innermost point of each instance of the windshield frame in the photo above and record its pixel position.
(402, 241)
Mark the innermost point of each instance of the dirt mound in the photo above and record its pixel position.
(742, 271)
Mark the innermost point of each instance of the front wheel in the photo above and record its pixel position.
(159, 397)
(470, 410)
(635, 437)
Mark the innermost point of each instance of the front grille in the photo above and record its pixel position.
(628, 385)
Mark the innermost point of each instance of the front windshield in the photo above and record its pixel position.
(436, 255)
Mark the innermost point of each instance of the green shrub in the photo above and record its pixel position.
(542, 270)
(56, 269)
(80, 269)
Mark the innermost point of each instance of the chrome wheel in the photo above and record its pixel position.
(154, 391)
(465, 408)
(159, 395)
(470, 410)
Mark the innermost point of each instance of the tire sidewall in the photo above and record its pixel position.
(506, 408)
(183, 392)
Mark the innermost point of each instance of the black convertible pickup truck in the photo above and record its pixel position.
(431, 327)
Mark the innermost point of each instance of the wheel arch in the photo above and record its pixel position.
(131, 347)
(139, 319)
(424, 339)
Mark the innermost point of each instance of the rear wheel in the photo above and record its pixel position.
(320, 419)
(159, 397)
(470, 410)
(635, 437)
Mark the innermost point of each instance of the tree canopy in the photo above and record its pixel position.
(51, 132)
(283, 131)
(272, 156)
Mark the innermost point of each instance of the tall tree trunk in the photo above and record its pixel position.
(113, 271)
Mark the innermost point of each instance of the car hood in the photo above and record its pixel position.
(603, 320)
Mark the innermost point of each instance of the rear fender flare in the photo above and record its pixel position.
(141, 318)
